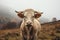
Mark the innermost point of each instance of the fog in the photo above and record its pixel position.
(50, 8)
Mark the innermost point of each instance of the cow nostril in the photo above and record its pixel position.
(28, 23)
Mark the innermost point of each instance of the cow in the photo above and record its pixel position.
(30, 26)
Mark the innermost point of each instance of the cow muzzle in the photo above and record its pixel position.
(29, 24)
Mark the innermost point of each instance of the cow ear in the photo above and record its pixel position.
(38, 14)
(20, 14)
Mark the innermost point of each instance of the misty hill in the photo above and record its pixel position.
(4, 20)
(6, 12)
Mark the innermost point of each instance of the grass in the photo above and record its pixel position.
(13, 34)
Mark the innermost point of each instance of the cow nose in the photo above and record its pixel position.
(29, 23)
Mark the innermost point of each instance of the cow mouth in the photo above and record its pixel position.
(29, 26)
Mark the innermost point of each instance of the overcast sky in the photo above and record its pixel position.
(50, 8)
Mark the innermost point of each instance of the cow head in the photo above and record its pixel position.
(29, 15)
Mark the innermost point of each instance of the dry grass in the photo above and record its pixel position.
(47, 33)
(13, 34)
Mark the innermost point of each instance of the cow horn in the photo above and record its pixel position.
(16, 11)
(41, 12)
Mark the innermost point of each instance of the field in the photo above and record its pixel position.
(49, 31)
(11, 34)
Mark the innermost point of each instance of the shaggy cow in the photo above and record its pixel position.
(30, 25)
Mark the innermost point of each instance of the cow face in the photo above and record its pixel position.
(29, 15)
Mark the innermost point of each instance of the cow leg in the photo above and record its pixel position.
(32, 38)
(24, 38)
(35, 35)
